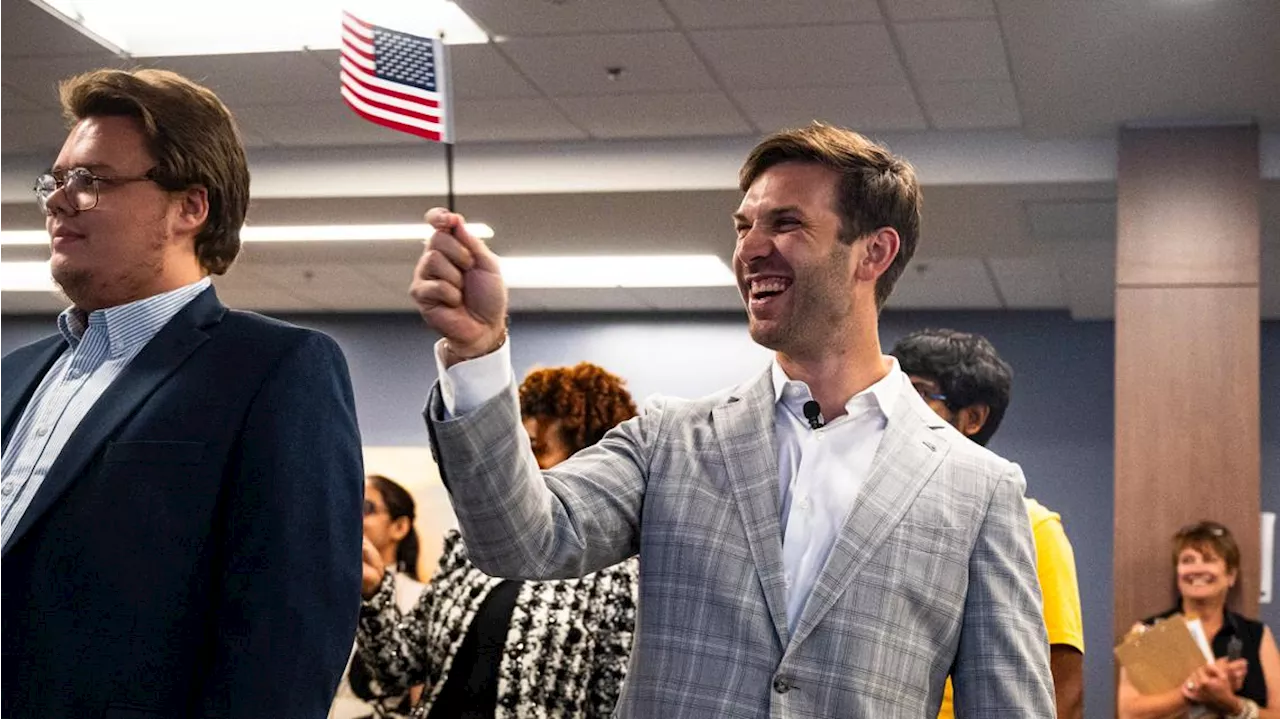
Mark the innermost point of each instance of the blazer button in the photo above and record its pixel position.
(781, 686)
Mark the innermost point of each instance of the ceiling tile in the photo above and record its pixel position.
(40, 131)
(11, 99)
(1050, 221)
(575, 66)
(250, 287)
(29, 31)
(945, 283)
(701, 14)
(977, 104)
(1088, 271)
(952, 50)
(260, 78)
(1083, 68)
(37, 78)
(873, 107)
(660, 115)
(831, 56)
(480, 71)
(250, 135)
(507, 120)
(939, 9)
(1028, 283)
(317, 123)
(555, 17)
(337, 286)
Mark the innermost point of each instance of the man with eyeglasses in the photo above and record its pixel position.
(962, 378)
(182, 483)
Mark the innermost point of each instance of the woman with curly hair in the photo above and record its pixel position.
(495, 648)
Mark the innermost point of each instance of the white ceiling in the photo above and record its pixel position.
(1008, 108)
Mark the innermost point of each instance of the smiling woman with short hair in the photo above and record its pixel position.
(1206, 561)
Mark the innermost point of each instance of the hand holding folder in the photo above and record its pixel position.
(1162, 657)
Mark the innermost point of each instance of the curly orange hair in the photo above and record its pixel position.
(587, 400)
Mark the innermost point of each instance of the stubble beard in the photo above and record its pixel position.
(96, 288)
(817, 317)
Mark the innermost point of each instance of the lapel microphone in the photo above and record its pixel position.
(813, 413)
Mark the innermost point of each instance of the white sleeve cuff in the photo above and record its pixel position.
(469, 384)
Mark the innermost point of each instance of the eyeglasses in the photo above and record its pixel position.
(926, 394)
(370, 508)
(80, 186)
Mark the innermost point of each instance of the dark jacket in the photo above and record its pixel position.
(194, 551)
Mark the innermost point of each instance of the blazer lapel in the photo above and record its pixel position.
(19, 389)
(744, 428)
(157, 361)
(905, 460)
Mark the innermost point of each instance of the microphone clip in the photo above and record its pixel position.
(813, 413)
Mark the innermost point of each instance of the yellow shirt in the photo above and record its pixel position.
(1056, 570)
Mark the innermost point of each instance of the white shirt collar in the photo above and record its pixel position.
(882, 395)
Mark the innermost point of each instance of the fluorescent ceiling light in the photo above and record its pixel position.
(616, 271)
(146, 28)
(293, 233)
(26, 277)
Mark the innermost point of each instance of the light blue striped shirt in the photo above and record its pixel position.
(99, 348)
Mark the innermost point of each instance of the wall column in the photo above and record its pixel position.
(1187, 363)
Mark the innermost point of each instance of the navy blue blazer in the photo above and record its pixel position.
(194, 551)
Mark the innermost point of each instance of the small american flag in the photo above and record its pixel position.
(395, 79)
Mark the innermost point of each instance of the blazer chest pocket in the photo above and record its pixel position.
(148, 452)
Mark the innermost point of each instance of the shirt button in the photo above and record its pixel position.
(42, 431)
(6, 490)
(73, 374)
(804, 503)
(781, 685)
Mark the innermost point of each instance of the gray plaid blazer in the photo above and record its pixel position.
(933, 573)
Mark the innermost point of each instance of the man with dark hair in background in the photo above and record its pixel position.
(182, 482)
(962, 378)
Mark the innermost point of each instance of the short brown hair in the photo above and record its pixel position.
(191, 134)
(1208, 537)
(587, 400)
(875, 188)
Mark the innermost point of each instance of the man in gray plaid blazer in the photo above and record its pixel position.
(815, 542)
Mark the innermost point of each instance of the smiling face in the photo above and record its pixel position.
(1203, 575)
(794, 274)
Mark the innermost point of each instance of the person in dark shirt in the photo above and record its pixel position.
(1235, 686)
(489, 648)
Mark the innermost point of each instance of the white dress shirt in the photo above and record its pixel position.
(820, 472)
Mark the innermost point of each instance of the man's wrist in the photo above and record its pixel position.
(453, 357)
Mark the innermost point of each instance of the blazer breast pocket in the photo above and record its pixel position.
(154, 452)
(936, 556)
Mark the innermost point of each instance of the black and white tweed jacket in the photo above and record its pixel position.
(567, 645)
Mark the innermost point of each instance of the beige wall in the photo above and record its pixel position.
(415, 470)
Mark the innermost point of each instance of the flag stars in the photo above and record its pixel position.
(405, 59)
